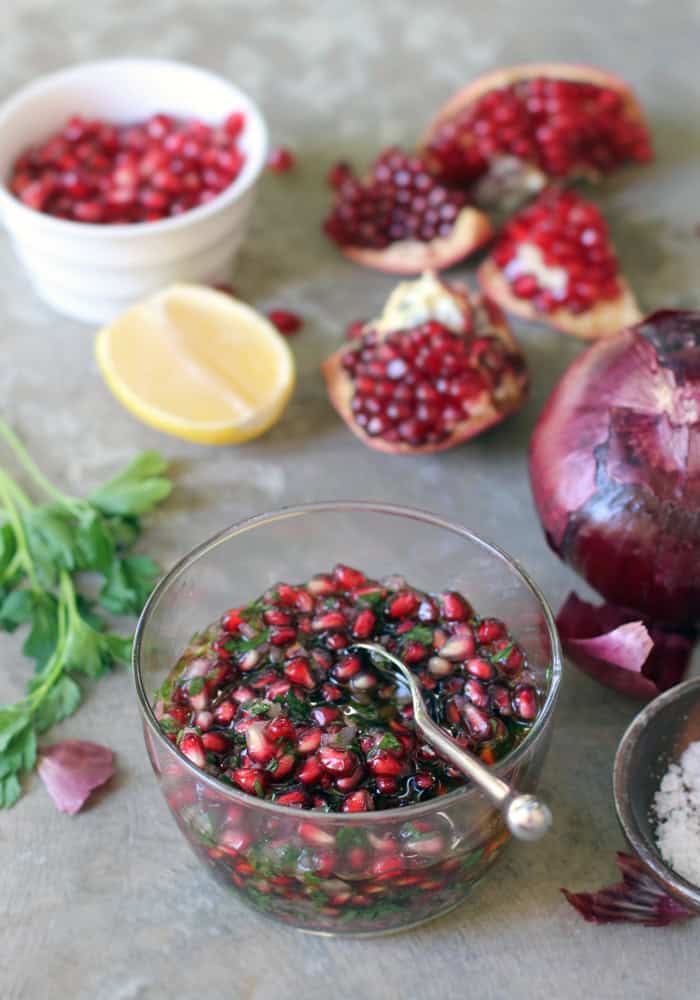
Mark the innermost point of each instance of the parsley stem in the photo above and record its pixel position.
(6, 495)
(30, 466)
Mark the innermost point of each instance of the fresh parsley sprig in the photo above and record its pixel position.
(43, 549)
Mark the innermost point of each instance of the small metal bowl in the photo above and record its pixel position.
(655, 738)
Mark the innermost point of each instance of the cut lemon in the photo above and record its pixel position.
(198, 364)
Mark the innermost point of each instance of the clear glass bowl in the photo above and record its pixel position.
(335, 873)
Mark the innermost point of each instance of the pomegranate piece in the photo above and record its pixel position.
(506, 133)
(401, 220)
(287, 322)
(281, 160)
(449, 372)
(314, 726)
(97, 173)
(554, 262)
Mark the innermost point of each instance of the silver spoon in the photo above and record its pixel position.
(526, 816)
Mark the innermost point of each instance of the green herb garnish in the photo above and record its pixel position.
(238, 646)
(389, 742)
(502, 655)
(43, 546)
(419, 633)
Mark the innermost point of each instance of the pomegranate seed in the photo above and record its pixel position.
(324, 714)
(339, 173)
(215, 742)
(260, 749)
(489, 630)
(355, 329)
(281, 160)
(297, 671)
(403, 605)
(480, 668)
(286, 322)
(525, 702)
(338, 762)
(283, 767)
(457, 648)
(308, 741)
(282, 636)
(347, 668)
(348, 578)
(454, 607)
(364, 624)
(277, 618)
(191, 746)
(294, 798)
(387, 866)
(414, 652)
(478, 722)
(280, 728)
(386, 784)
(331, 620)
(250, 780)
(358, 801)
(383, 763)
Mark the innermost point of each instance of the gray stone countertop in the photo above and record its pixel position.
(111, 905)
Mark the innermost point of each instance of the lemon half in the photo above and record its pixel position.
(196, 363)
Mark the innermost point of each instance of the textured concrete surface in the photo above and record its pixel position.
(111, 905)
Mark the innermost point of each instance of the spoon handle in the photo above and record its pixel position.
(526, 816)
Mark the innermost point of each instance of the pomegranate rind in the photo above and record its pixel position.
(603, 320)
(507, 76)
(490, 410)
(471, 230)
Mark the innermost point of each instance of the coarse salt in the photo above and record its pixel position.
(677, 808)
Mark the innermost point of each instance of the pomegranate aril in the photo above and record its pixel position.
(525, 702)
(295, 798)
(297, 671)
(280, 728)
(215, 742)
(402, 605)
(250, 780)
(287, 322)
(338, 762)
(383, 763)
(489, 630)
(311, 771)
(192, 747)
(358, 801)
(281, 160)
(454, 607)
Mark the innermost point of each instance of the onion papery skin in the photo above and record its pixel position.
(615, 467)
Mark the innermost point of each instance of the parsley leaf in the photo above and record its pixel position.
(419, 633)
(136, 490)
(238, 646)
(42, 547)
(128, 584)
(297, 710)
(389, 742)
(502, 655)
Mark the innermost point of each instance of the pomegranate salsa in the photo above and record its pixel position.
(273, 699)
(100, 172)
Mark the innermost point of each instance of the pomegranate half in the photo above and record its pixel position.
(554, 262)
(401, 220)
(438, 367)
(507, 132)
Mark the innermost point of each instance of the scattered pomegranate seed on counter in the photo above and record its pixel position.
(355, 329)
(95, 172)
(287, 322)
(281, 160)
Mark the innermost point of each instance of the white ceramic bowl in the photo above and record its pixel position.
(93, 272)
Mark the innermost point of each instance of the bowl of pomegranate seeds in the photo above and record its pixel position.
(122, 176)
(290, 761)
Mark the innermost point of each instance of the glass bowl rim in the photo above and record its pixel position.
(405, 813)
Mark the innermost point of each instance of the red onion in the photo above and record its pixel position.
(615, 467)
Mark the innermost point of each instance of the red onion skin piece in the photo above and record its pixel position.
(72, 769)
(615, 467)
(638, 899)
(626, 655)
